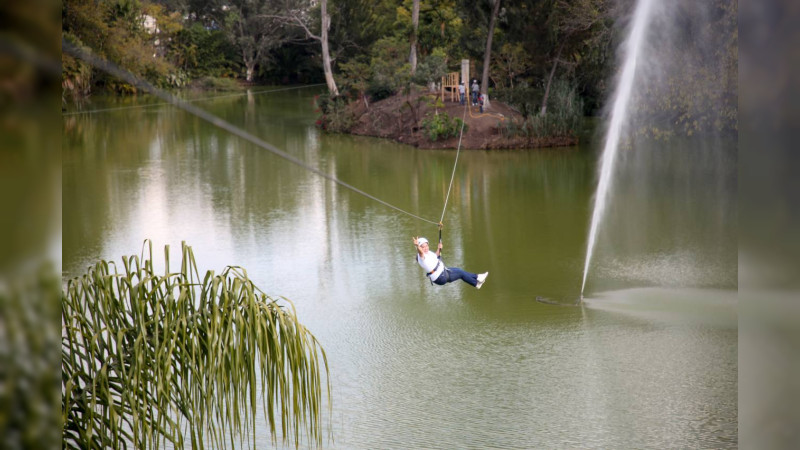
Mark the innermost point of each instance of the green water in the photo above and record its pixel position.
(649, 360)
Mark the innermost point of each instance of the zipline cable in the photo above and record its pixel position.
(112, 69)
(119, 108)
(452, 175)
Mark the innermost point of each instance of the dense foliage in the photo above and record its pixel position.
(442, 126)
(335, 116)
(29, 356)
(184, 359)
(563, 118)
(537, 46)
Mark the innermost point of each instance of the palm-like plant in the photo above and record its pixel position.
(149, 359)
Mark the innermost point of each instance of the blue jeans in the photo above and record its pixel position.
(454, 273)
(462, 98)
(474, 97)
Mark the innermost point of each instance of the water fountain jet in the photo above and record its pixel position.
(619, 112)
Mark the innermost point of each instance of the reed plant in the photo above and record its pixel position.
(564, 116)
(175, 359)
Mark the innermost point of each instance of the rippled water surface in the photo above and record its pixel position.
(648, 360)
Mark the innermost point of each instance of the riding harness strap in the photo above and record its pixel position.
(434, 269)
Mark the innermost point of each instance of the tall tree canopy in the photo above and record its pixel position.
(520, 50)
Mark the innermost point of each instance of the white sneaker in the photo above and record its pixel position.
(481, 279)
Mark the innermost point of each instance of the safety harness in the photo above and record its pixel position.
(439, 263)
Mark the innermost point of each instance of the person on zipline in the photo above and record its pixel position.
(434, 268)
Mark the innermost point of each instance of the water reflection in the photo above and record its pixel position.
(672, 218)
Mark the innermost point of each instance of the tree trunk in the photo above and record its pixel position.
(550, 80)
(412, 58)
(249, 63)
(250, 67)
(247, 54)
(326, 56)
(487, 55)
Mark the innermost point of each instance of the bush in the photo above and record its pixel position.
(178, 79)
(432, 68)
(389, 67)
(379, 89)
(76, 75)
(336, 116)
(525, 99)
(218, 84)
(564, 116)
(442, 126)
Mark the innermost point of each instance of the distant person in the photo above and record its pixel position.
(462, 90)
(480, 102)
(475, 88)
(434, 267)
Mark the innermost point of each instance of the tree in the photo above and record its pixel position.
(115, 31)
(301, 18)
(326, 57)
(254, 31)
(511, 61)
(699, 95)
(437, 24)
(412, 58)
(546, 95)
(583, 21)
(149, 359)
(356, 25)
(355, 76)
(390, 70)
(487, 54)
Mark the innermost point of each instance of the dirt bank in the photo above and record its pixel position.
(400, 118)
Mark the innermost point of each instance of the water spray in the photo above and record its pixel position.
(619, 113)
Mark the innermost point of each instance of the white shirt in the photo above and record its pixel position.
(461, 88)
(429, 262)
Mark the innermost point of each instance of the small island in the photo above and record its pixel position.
(402, 118)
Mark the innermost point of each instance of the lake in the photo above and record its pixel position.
(648, 359)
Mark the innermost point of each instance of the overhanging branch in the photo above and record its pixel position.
(293, 19)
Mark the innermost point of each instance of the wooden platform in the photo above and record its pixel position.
(450, 84)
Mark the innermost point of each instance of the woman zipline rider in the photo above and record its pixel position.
(434, 267)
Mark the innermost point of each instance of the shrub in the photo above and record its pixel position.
(354, 77)
(564, 116)
(336, 116)
(218, 84)
(525, 99)
(76, 75)
(432, 68)
(442, 126)
(389, 67)
(379, 89)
